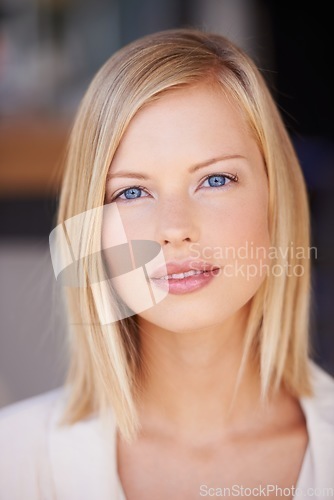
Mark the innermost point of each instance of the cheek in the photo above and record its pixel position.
(255, 219)
(136, 222)
(251, 224)
(238, 240)
(243, 223)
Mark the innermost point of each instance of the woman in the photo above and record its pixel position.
(193, 346)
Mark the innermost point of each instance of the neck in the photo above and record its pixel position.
(189, 380)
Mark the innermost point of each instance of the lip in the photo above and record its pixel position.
(207, 272)
(177, 267)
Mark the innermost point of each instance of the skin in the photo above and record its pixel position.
(192, 343)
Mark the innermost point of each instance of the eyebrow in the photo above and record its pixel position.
(194, 168)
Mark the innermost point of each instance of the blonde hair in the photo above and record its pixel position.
(105, 361)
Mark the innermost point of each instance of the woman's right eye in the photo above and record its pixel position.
(131, 193)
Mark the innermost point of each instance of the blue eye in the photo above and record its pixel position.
(131, 193)
(218, 180)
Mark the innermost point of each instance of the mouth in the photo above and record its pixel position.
(186, 277)
(183, 269)
(181, 276)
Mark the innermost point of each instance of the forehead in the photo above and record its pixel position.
(185, 122)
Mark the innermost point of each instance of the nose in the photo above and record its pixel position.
(177, 224)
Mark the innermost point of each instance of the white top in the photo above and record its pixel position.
(39, 460)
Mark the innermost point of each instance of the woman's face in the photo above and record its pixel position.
(188, 175)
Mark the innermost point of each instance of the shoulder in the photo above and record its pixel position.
(22, 421)
(319, 414)
(29, 408)
(24, 427)
(322, 401)
(39, 458)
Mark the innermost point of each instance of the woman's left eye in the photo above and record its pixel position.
(131, 193)
(218, 180)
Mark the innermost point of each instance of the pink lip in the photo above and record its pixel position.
(189, 283)
(182, 266)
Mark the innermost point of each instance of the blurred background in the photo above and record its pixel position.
(49, 52)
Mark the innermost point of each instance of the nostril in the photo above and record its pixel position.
(173, 241)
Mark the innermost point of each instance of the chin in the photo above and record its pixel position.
(184, 322)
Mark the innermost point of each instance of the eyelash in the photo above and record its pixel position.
(231, 177)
